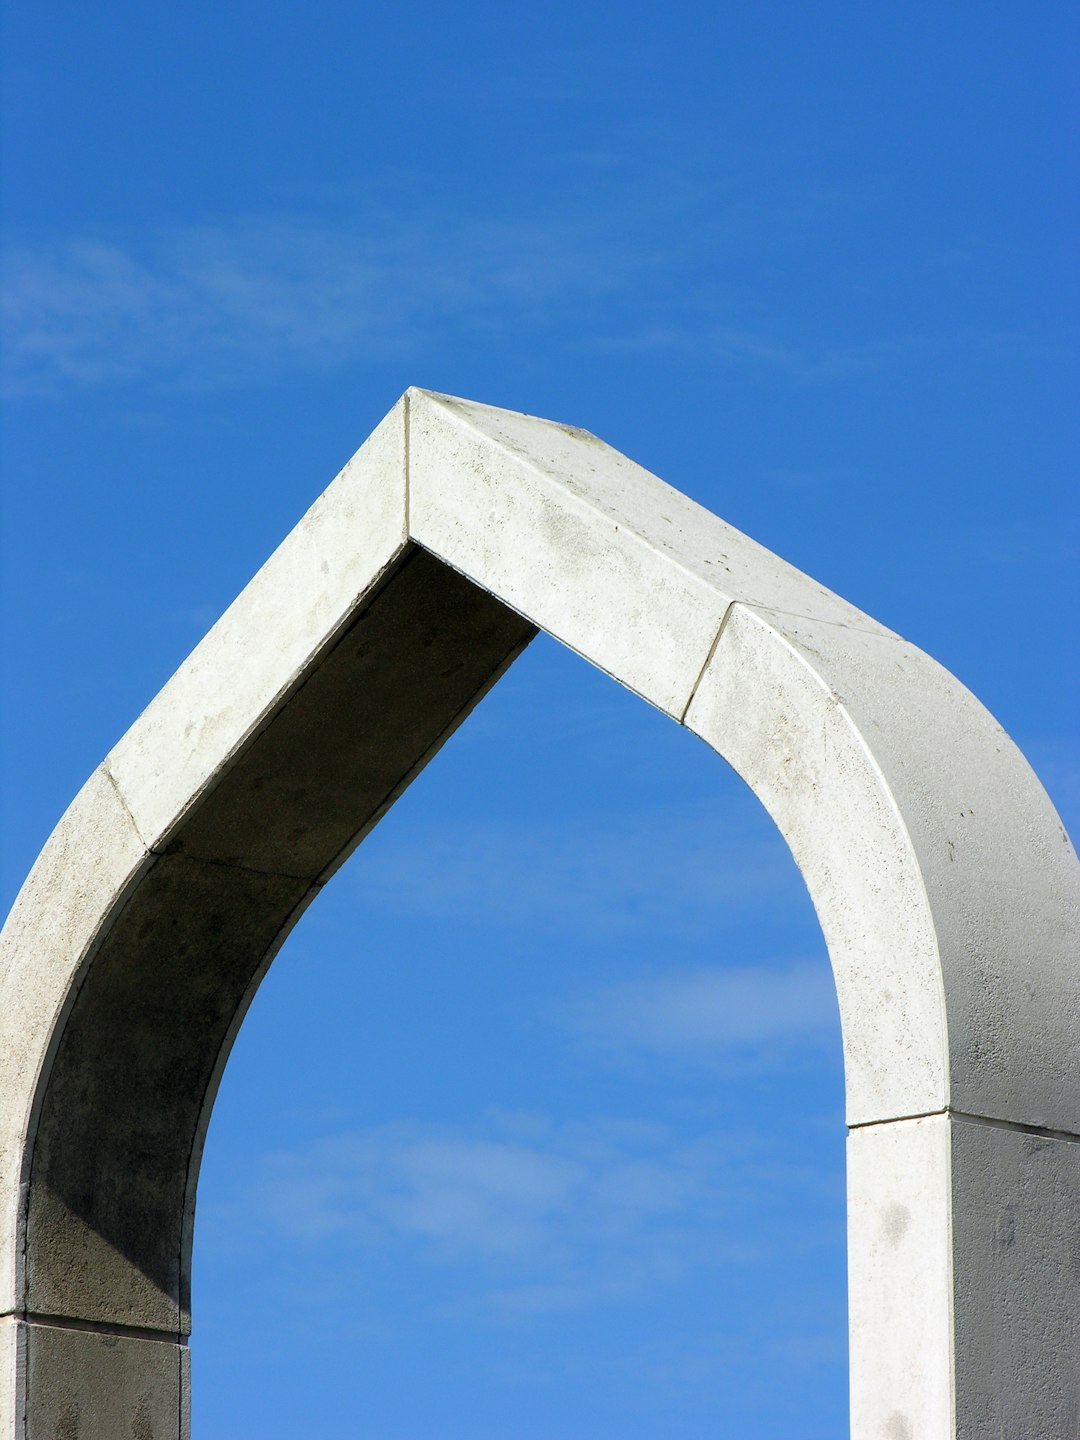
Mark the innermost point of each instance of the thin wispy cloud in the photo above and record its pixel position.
(679, 868)
(246, 298)
(251, 295)
(710, 1015)
(524, 1218)
(677, 1371)
(768, 353)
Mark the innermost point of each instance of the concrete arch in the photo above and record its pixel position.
(946, 887)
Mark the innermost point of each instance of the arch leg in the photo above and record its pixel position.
(964, 1267)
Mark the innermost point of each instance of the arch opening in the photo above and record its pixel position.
(653, 1215)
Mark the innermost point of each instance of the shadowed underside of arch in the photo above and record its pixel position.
(946, 887)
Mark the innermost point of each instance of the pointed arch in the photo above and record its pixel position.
(947, 890)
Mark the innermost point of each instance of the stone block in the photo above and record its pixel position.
(88, 1386)
(516, 504)
(900, 1268)
(12, 1377)
(1016, 1300)
(963, 1272)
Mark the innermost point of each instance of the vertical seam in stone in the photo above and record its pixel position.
(708, 661)
(26, 1160)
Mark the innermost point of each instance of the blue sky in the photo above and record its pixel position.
(535, 1128)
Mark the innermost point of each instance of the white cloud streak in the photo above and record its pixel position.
(678, 868)
(250, 297)
(706, 1014)
(537, 1218)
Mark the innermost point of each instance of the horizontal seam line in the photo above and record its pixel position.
(1042, 1131)
(97, 1327)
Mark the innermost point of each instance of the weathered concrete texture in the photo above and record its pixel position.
(948, 893)
(1016, 1282)
(790, 738)
(86, 1386)
(964, 1277)
(899, 1281)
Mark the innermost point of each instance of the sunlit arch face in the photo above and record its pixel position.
(946, 890)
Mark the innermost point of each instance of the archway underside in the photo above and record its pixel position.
(126, 998)
(133, 1078)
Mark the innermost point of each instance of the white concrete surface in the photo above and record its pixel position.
(900, 1313)
(947, 891)
(776, 719)
(12, 1376)
(591, 547)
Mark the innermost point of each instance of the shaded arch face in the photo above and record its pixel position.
(116, 1152)
(947, 890)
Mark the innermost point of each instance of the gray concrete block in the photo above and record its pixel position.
(964, 1273)
(1016, 1298)
(84, 1386)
